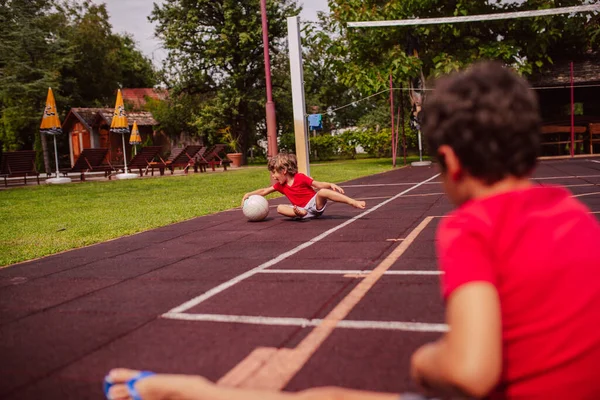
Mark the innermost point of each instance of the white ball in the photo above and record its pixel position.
(256, 208)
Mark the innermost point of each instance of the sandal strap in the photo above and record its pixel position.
(131, 384)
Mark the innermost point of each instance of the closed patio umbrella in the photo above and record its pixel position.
(119, 125)
(135, 138)
(51, 126)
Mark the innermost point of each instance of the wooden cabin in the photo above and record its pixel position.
(553, 87)
(90, 128)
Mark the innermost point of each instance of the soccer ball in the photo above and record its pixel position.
(256, 208)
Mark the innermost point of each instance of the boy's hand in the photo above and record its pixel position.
(336, 188)
(244, 198)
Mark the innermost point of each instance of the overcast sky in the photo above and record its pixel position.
(132, 16)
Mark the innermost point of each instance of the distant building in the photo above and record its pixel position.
(138, 97)
(553, 87)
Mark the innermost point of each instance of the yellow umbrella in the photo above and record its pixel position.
(50, 123)
(119, 123)
(135, 137)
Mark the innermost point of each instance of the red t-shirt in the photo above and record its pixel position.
(300, 192)
(540, 248)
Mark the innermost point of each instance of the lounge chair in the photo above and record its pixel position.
(90, 160)
(142, 160)
(212, 157)
(180, 158)
(19, 163)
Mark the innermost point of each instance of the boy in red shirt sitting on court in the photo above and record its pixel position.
(300, 190)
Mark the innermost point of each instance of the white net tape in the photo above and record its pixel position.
(474, 18)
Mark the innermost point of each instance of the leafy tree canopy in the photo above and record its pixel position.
(216, 50)
(68, 46)
(367, 56)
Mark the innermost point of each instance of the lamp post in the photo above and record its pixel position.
(270, 107)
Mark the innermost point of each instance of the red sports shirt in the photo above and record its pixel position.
(300, 192)
(540, 248)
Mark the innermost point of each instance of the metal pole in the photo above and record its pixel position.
(270, 107)
(298, 103)
(572, 114)
(55, 156)
(124, 153)
(402, 113)
(392, 116)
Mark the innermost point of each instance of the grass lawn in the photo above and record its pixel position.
(46, 219)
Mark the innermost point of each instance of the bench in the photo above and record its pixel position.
(19, 163)
(556, 135)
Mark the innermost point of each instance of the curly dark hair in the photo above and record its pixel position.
(489, 116)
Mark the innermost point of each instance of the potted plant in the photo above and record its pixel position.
(232, 142)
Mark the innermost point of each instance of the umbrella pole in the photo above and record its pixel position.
(124, 153)
(56, 155)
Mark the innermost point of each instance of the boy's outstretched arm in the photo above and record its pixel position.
(193, 387)
(327, 185)
(468, 359)
(260, 192)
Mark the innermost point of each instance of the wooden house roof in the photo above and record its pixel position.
(143, 118)
(586, 70)
(91, 116)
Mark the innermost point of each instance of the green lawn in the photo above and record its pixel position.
(46, 219)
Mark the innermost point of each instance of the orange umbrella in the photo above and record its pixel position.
(119, 123)
(135, 137)
(50, 123)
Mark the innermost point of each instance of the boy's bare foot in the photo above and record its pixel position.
(358, 204)
(145, 388)
(300, 212)
(154, 387)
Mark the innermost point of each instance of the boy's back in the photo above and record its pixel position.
(539, 248)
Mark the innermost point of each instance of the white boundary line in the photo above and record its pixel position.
(304, 322)
(438, 183)
(345, 272)
(596, 161)
(390, 184)
(585, 194)
(566, 177)
(218, 289)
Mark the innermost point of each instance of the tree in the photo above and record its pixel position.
(31, 57)
(104, 61)
(527, 44)
(216, 51)
(67, 46)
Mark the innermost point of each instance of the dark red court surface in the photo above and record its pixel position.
(213, 295)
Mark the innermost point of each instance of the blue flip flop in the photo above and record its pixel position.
(130, 384)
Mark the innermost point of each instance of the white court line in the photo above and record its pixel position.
(581, 185)
(218, 289)
(408, 195)
(566, 177)
(596, 161)
(391, 184)
(585, 194)
(344, 272)
(304, 322)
